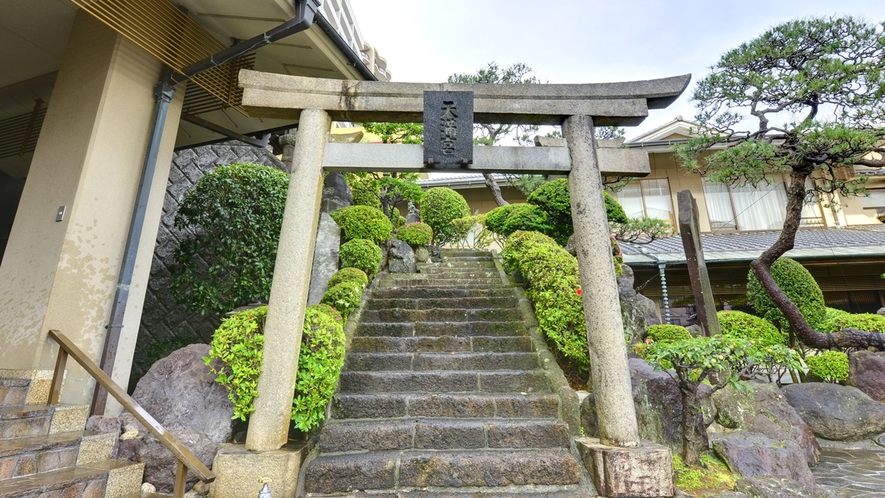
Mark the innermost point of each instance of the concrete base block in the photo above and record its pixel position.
(646, 471)
(241, 473)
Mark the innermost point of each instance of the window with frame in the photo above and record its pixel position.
(648, 198)
(753, 207)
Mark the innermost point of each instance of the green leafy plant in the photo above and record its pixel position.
(384, 191)
(831, 366)
(553, 286)
(640, 230)
(363, 222)
(344, 297)
(364, 189)
(867, 322)
(710, 476)
(693, 361)
(235, 214)
(553, 198)
(362, 254)
(415, 234)
(505, 220)
(799, 286)
(238, 343)
(439, 207)
(758, 330)
(665, 332)
(349, 275)
(319, 365)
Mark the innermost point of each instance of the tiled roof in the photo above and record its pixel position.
(863, 240)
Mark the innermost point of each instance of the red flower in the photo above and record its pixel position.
(578, 291)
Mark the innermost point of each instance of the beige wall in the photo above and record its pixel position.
(63, 275)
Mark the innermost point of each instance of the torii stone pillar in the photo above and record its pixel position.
(269, 424)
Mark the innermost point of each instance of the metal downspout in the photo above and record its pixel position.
(305, 11)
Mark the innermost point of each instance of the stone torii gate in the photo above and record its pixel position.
(578, 108)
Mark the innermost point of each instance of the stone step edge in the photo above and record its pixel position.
(55, 479)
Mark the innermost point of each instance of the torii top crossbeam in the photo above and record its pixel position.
(609, 104)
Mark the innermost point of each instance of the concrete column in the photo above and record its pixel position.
(268, 425)
(610, 375)
(88, 159)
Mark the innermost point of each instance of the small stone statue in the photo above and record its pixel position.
(413, 214)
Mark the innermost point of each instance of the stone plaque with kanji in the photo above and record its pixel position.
(448, 129)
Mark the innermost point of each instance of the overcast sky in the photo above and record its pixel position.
(578, 41)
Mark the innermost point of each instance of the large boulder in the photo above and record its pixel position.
(181, 393)
(867, 373)
(160, 464)
(400, 258)
(763, 409)
(637, 311)
(325, 258)
(781, 487)
(838, 413)
(751, 454)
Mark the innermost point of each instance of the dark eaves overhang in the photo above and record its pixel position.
(353, 58)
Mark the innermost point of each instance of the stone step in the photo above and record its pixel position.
(377, 303)
(440, 329)
(419, 292)
(13, 391)
(498, 381)
(31, 455)
(72, 482)
(454, 268)
(487, 263)
(403, 362)
(475, 405)
(399, 315)
(451, 469)
(476, 344)
(438, 281)
(464, 253)
(531, 491)
(442, 434)
(25, 421)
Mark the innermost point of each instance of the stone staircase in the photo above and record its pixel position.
(444, 393)
(44, 451)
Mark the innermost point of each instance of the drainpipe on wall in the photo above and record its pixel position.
(305, 12)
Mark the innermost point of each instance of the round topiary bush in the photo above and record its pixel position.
(799, 286)
(867, 322)
(319, 365)
(363, 222)
(364, 189)
(439, 207)
(613, 209)
(758, 330)
(831, 366)
(415, 234)
(344, 297)
(232, 220)
(362, 254)
(504, 220)
(348, 275)
(666, 332)
(553, 198)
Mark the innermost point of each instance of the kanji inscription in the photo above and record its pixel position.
(448, 129)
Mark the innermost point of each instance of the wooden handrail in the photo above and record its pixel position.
(186, 459)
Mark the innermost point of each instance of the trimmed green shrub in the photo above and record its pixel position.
(554, 288)
(238, 343)
(348, 275)
(397, 219)
(439, 207)
(362, 254)
(867, 322)
(234, 215)
(757, 330)
(831, 366)
(344, 297)
(363, 222)
(613, 210)
(319, 365)
(504, 220)
(415, 234)
(666, 332)
(799, 286)
(553, 198)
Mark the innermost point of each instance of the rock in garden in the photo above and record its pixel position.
(763, 409)
(422, 255)
(101, 423)
(751, 454)
(781, 487)
(867, 373)
(413, 215)
(325, 258)
(838, 413)
(336, 193)
(400, 258)
(160, 463)
(180, 393)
